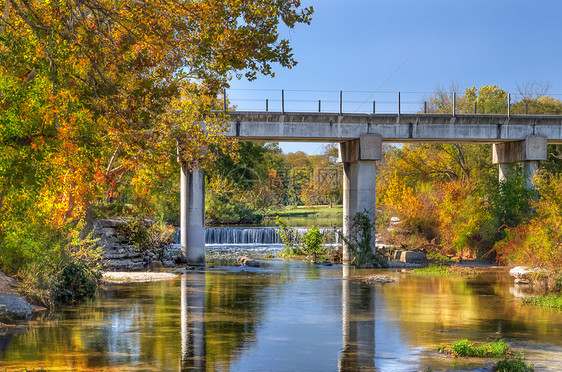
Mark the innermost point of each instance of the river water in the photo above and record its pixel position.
(287, 316)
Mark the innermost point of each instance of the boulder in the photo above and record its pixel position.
(521, 272)
(413, 257)
(243, 260)
(14, 308)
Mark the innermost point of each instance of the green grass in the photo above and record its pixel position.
(322, 216)
(463, 348)
(445, 270)
(432, 269)
(550, 301)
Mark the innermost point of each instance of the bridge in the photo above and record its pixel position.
(515, 138)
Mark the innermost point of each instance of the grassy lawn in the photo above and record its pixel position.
(303, 216)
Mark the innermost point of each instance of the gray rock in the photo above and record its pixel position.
(413, 257)
(243, 260)
(168, 264)
(14, 308)
(397, 254)
(521, 272)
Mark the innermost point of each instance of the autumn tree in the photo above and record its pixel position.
(94, 89)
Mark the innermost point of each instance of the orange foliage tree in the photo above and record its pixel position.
(538, 242)
(93, 89)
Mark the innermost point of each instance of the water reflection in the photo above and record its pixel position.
(358, 325)
(193, 329)
(288, 316)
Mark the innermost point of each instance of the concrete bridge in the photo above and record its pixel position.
(516, 139)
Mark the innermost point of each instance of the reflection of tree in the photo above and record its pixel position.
(481, 305)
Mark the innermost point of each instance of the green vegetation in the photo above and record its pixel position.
(308, 245)
(449, 201)
(445, 270)
(361, 244)
(148, 238)
(68, 274)
(552, 301)
(463, 348)
(104, 110)
(512, 365)
(433, 269)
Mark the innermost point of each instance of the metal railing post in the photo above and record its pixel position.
(319, 106)
(526, 108)
(266, 105)
(283, 101)
(508, 105)
(398, 103)
(425, 107)
(454, 103)
(475, 107)
(224, 100)
(374, 107)
(341, 102)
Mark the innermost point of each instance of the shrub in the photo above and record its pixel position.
(360, 244)
(512, 365)
(538, 241)
(310, 244)
(149, 238)
(463, 348)
(65, 271)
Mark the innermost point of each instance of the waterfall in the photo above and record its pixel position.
(255, 235)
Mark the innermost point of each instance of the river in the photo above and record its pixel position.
(286, 316)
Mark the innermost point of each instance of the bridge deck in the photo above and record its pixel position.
(326, 127)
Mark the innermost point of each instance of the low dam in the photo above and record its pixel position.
(257, 235)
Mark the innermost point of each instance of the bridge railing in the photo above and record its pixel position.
(328, 101)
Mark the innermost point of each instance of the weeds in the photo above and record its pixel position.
(463, 348)
(552, 301)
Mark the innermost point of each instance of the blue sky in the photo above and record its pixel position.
(415, 47)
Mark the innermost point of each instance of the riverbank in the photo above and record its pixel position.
(14, 308)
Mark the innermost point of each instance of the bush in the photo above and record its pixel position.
(512, 365)
(310, 244)
(360, 244)
(65, 271)
(149, 238)
(537, 242)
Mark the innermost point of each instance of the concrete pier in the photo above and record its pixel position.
(192, 216)
(529, 152)
(359, 182)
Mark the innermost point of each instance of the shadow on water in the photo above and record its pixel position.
(286, 316)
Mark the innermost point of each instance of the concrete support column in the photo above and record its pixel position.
(359, 181)
(530, 168)
(529, 151)
(504, 170)
(192, 216)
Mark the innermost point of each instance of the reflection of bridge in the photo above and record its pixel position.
(516, 139)
(357, 315)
